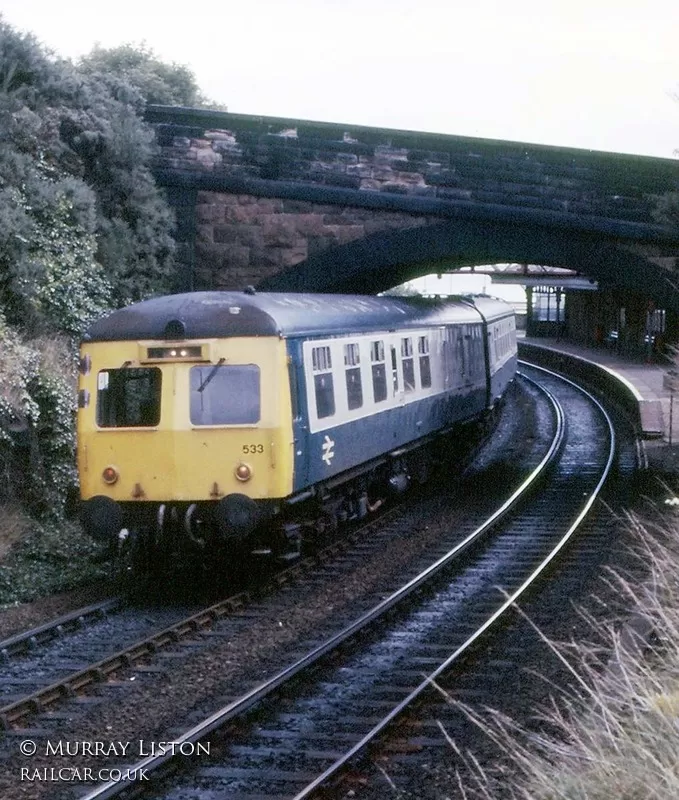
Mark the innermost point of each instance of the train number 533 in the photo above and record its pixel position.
(253, 448)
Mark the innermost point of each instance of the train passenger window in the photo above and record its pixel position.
(129, 397)
(325, 395)
(425, 366)
(321, 359)
(352, 356)
(321, 362)
(379, 371)
(408, 364)
(352, 360)
(225, 395)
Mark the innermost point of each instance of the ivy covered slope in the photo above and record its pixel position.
(83, 230)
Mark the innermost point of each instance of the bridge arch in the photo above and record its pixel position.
(385, 259)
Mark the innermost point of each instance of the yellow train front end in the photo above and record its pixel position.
(185, 443)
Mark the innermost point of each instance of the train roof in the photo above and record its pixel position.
(199, 315)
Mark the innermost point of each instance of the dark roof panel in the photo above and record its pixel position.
(230, 314)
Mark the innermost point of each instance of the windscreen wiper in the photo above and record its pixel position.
(211, 374)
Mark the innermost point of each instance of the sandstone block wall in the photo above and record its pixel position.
(241, 239)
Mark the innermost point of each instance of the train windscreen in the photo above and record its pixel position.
(128, 397)
(225, 395)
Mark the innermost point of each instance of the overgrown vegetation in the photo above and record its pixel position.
(48, 558)
(616, 734)
(137, 65)
(83, 230)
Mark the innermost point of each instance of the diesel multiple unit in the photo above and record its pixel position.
(217, 421)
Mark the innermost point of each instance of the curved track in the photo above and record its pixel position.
(345, 705)
(47, 666)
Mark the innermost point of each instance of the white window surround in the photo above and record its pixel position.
(499, 330)
(369, 407)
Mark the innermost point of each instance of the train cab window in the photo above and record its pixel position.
(379, 371)
(225, 395)
(129, 397)
(321, 362)
(425, 366)
(408, 364)
(352, 360)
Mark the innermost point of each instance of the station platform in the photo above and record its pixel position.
(651, 384)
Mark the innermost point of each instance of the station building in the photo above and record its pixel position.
(561, 304)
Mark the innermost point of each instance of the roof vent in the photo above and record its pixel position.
(249, 290)
(175, 329)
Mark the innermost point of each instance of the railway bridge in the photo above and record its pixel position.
(292, 205)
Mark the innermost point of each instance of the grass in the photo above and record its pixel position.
(615, 736)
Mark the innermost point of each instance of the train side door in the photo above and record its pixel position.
(397, 388)
(448, 358)
(462, 356)
(300, 416)
(471, 357)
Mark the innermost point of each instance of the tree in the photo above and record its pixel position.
(50, 278)
(71, 138)
(83, 229)
(138, 66)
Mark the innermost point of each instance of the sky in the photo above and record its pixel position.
(452, 283)
(596, 74)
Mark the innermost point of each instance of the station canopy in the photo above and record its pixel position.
(532, 275)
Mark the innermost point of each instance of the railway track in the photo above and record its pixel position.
(96, 646)
(55, 661)
(441, 741)
(83, 717)
(30, 639)
(347, 692)
(59, 659)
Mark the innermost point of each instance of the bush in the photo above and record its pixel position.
(76, 191)
(137, 65)
(49, 558)
(83, 230)
(37, 430)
